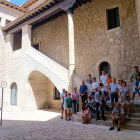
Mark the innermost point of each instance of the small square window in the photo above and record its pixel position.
(113, 18)
(57, 94)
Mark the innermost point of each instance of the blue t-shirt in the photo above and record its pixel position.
(89, 80)
(83, 88)
(62, 95)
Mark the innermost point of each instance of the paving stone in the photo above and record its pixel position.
(56, 129)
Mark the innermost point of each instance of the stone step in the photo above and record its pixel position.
(126, 125)
(128, 120)
(135, 115)
(108, 117)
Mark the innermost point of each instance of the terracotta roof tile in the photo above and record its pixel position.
(32, 11)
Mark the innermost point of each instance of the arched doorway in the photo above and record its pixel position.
(13, 94)
(106, 67)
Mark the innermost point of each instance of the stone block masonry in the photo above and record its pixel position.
(53, 40)
(93, 41)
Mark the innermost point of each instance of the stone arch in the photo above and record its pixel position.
(98, 64)
(49, 76)
(41, 93)
(105, 66)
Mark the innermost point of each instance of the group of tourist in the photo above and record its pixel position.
(108, 90)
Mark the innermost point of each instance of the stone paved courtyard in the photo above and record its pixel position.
(46, 125)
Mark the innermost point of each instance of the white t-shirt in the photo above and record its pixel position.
(95, 85)
(103, 79)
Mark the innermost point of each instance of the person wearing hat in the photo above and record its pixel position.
(75, 100)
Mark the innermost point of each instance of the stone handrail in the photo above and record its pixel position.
(48, 63)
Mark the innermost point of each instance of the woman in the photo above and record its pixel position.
(120, 83)
(109, 80)
(64, 104)
(75, 100)
(85, 115)
(138, 86)
(95, 86)
(125, 96)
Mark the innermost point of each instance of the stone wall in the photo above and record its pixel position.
(53, 40)
(9, 14)
(95, 44)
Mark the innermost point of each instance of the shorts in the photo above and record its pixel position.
(114, 96)
(134, 89)
(69, 110)
(62, 106)
(65, 107)
(122, 121)
(125, 102)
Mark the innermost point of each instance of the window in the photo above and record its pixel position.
(14, 94)
(113, 18)
(106, 67)
(7, 22)
(36, 47)
(57, 94)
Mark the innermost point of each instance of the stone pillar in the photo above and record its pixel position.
(9, 44)
(26, 37)
(71, 48)
(137, 5)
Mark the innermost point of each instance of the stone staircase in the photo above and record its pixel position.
(54, 71)
(133, 122)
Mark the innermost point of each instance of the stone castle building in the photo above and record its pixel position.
(47, 45)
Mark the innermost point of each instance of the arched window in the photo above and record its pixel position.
(105, 66)
(14, 94)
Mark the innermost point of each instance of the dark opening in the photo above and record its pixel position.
(17, 41)
(36, 47)
(113, 18)
(57, 94)
(106, 67)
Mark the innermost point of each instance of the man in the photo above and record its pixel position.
(117, 116)
(103, 78)
(95, 86)
(113, 87)
(91, 103)
(83, 91)
(62, 95)
(89, 80)
(100, 100)
(133, 80)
